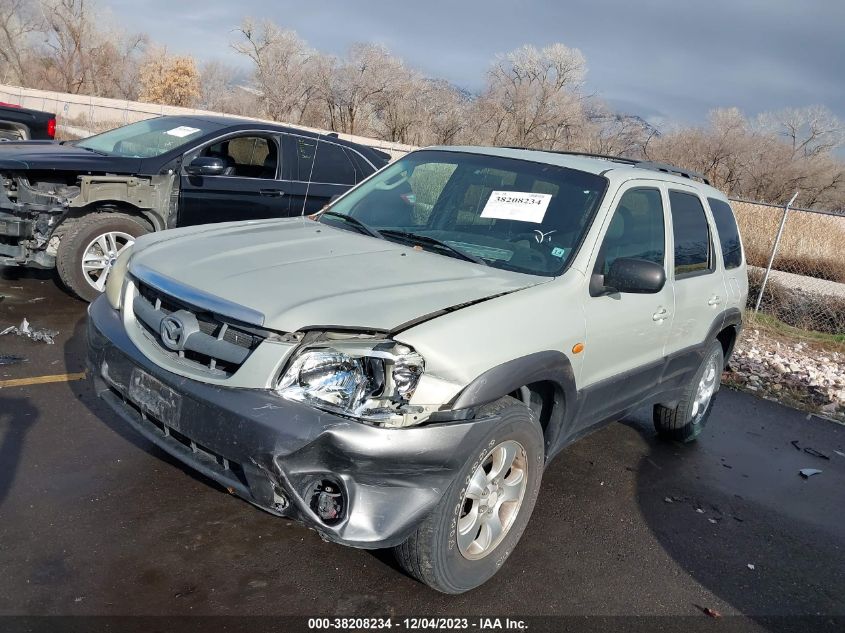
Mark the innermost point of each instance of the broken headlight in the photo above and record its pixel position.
(359, 378)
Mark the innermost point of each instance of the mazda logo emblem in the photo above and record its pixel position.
(172, 333)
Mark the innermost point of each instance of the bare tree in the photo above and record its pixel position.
(533, 98)
(18, 22)
(353, 87)
(284, 69)
(446, 115)
(613, 133)
(810, 131)
(83, 52)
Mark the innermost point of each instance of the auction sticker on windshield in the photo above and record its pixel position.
(183, 131)
(517, 205)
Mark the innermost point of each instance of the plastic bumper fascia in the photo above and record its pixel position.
(391, 478)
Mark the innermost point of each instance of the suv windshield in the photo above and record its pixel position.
(149, 138)
(513, 214)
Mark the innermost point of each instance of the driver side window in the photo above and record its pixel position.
(637, 230)
(246, 156)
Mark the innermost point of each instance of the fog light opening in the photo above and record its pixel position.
(327, 502)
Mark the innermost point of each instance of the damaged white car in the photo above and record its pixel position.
(398, 370)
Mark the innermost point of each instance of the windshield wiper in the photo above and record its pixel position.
(95, 151)
(417, 238)
(353, 221)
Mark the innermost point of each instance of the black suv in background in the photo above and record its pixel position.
(22, 124)
(75, 205)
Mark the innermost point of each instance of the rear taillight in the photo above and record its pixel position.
(51, 128)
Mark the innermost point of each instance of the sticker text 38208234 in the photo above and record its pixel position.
(516, 205)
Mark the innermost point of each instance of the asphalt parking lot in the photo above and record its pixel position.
(96, 521)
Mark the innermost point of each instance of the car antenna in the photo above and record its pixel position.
(310, 175)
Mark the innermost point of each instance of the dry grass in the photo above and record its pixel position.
(812, 243)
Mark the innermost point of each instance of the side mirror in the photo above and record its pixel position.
(206, 166)
(637, 276)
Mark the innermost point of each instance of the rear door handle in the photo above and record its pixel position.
(715, 300)
(273, 193)
(661, 315)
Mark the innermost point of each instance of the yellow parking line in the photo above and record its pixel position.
(41, 380)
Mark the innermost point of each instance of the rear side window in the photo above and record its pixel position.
(636, 230)
(692, 234)
(324, 162)
(728, 232)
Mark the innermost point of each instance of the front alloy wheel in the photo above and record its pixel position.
(101, 254)
(89, 247)
(492, 500)
(468, 537)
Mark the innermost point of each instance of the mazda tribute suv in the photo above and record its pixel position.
(397, 370)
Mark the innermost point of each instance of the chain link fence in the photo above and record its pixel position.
(805, 288)
(793, 346)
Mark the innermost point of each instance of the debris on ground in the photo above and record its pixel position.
(806, 473)
(708, 611)
(840, 453)
(751, 566)
(10, 359)
(36, 334)
(795, 373)
(809, 450)
(815, 453)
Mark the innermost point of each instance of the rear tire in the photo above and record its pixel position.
(685, 421)
(456, 548)
(89, 247)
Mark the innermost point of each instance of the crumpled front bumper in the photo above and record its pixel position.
(271, 451)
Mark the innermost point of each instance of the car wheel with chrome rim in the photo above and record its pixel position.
(89, 248)
(481, 517)
(685, 421)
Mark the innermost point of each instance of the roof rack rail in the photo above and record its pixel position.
(671, 169)
(633, 162)
(618, 159)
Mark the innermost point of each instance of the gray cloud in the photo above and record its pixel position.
(657, 58)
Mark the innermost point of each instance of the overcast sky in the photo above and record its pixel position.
(665, 60)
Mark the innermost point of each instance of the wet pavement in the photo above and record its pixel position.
(96, 521)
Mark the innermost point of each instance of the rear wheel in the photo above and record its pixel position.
(89, 248)
(685, 421)
(481, 517)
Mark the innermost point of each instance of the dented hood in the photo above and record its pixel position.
(299, 274)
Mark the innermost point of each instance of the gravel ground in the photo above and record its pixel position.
(799, 374)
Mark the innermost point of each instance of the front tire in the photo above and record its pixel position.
(89, 248)
(685, 421)
(468, 537)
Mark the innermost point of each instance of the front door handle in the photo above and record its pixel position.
(661, 315)
(273, 193)
(715, 300)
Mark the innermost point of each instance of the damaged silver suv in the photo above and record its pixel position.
(397, 371)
